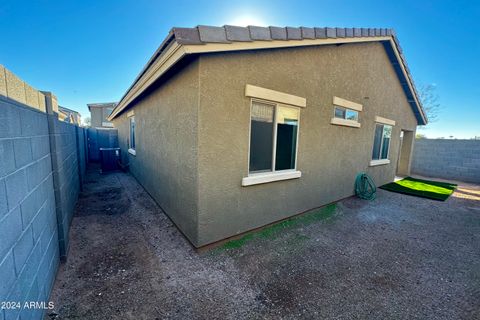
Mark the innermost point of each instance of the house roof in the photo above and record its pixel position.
(65, 109)
(181, 42)
(101, 105)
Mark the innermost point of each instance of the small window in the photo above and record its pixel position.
(273, 137)
(131, 144)
(381, 141)
(346, 114)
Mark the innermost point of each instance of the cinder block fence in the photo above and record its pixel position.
(447, 159)
(42, 163)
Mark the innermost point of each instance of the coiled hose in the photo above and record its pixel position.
(365, 187)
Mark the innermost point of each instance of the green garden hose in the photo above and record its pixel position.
(365, 187)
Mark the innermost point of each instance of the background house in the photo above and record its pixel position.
(232, 128)
(99, 113)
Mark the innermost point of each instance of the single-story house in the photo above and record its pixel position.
(99, 113)
(232, 128)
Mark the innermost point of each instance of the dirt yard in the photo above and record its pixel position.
(397, 257)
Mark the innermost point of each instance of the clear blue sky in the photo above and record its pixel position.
(90, 51)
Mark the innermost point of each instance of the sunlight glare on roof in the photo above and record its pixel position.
(244, 20)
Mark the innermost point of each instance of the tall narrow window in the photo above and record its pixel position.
(132, 133)
(381, 141)
(273, 137)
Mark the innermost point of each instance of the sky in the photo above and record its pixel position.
(91, 51)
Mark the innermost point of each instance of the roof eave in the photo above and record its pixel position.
(173, 50)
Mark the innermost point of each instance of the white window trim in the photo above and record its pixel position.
(254, 178)
(259, 178)
(380, 162)
(275, 96)
(345, 122)
(349, 105)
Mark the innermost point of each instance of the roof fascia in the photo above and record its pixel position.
(176, 51)
(157, 68)
(237, 46)
(393, 44)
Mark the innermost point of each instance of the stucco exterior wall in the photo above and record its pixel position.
(329, 156)
(165, 163)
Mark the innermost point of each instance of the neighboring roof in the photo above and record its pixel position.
(181, 42)
(102, 105)
(65, 109)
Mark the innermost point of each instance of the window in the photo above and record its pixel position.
(131, 143)
(273, 137)
(381, 141)
(346, 114)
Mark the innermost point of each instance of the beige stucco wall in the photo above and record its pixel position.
(329, 156)
(193, 134)
(165, 163)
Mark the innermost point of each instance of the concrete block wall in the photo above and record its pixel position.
(447, 159)
(29, 248)
(81, 135)
(63, 146)
(42, 161)
(14, 88)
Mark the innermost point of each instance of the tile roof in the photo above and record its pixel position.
(228, 34)
(202, 35)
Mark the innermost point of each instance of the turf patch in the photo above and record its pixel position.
(422, 188)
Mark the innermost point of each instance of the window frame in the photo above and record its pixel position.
(130, 149)
(381, 161)
(347, 106)
(272, 175)
(346, 110)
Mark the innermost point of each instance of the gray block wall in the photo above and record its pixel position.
(63, 146)
(42, 161)
(29, 250)
(447, 159)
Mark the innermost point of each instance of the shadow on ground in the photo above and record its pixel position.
(395, 257)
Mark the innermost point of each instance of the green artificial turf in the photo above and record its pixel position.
(422, 188)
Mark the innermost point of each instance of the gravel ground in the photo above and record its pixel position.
(396, 257)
